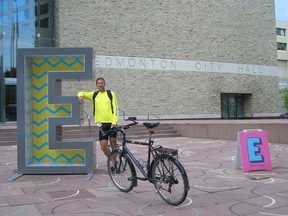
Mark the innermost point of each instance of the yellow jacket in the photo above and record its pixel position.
(103, 110)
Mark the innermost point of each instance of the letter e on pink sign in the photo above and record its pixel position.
(255, 151)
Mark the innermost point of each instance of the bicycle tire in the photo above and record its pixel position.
(124, 170)
(171, 182)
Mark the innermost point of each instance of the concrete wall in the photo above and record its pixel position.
(228, 130)
(228, 31)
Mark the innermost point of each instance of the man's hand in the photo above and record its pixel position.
(80, 100)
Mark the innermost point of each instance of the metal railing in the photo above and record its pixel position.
(81, 122)
(124, 116)
(151, 114)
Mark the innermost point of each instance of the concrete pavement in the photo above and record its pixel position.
(217, 188)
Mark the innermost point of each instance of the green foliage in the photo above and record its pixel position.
(285, 98)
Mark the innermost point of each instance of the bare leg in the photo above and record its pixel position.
(113, 146)
(104, 147)
(112, 142)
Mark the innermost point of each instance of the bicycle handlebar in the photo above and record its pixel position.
(131, 124)
(119, 128)
(148, 125)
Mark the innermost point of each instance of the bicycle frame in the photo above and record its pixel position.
(151, 151)
(162, 167)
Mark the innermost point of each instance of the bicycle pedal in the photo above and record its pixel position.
(132, 178)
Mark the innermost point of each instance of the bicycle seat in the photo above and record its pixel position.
(151, 125)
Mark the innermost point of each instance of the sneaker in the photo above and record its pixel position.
(116, 164)
(113, 170)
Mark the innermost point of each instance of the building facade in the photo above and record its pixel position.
(282, 54)
(168, 59)
(282, 50)
(24, 24)
(187, 59)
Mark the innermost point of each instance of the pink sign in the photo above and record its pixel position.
(254, 150)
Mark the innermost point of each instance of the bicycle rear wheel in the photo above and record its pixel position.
(121, 170)
(172, 182)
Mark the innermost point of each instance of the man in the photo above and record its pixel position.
(106, 112)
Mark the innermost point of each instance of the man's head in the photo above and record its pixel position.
(100, 84)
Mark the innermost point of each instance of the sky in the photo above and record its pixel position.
(281, 10)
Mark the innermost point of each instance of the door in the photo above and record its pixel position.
(232, 106)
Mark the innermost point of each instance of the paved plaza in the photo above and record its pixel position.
(216, 186)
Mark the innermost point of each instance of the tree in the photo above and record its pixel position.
(285, 97)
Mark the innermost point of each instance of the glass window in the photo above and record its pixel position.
(20, 3)
(232, 106)
(5, 5)
(281, 32)
(21, 15)
(44, 23)
(18, 30)
(44, 9)
(281, 46)
(4, 20)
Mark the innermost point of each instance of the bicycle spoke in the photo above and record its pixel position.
(172, 185)
(166, 172)
(123, 170)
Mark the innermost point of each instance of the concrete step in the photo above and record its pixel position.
(136, 132)
(8, 132)
(135, 137)
(9, 136)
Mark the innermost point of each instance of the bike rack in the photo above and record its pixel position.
(153, 115)
(124, 115)
(81, 121)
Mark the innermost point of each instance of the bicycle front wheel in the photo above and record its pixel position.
(171, 181)
(121, 171)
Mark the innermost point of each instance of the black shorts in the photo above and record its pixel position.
(105, 127)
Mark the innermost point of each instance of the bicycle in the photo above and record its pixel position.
(162, 169)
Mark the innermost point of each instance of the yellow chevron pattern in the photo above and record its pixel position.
(42, 110)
